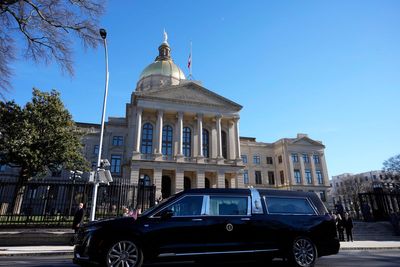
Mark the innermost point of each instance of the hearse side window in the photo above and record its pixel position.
(288, 205)
(226, 205)
(186, 206)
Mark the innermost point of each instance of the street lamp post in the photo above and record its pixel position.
(103, 35)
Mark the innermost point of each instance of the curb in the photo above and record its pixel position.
(369, 248)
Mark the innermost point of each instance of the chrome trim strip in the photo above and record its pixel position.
(215, 252)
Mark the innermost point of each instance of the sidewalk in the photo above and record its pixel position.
(68, 250)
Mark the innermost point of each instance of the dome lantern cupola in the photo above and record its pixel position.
(162, 72)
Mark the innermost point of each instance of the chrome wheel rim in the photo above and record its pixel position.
(124, 254)
(304, 252)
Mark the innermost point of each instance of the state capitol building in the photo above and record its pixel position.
(177, 134)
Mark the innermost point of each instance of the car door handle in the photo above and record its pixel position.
(197, 220)
(245, 219)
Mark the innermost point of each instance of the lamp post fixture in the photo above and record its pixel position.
(103, 35)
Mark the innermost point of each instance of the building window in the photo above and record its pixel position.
(117, 141)
(282, 176)
(316, 159)
(295, 157)
(147, 139)
(319, 177)
(306, 158)
(280, 159)
(167, 136)
(206, 143)
(258, 177)
(187, 142)
(246, 176)
(115, 164)
(308, 176)
(224, 145)
(297, 176)
(269, 160)
(271, 178)
(96, 149)
(244, 158)
(256, 160)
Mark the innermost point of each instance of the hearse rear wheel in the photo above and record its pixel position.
(303, 252)
(124, 253)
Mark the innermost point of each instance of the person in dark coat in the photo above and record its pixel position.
(78, 217)
(340, 227)
(348, 225)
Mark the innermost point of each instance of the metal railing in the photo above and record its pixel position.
(53, 203)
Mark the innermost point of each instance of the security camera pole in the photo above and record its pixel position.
(103, 35)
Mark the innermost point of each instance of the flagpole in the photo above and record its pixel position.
(191, 60)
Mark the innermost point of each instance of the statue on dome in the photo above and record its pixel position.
(165, 37)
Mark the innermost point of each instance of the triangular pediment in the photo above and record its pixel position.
(306, 141)
(189, 93)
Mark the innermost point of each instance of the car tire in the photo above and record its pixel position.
(124, 253)
(303, 252)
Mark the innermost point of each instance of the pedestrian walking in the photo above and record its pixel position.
(78, 217)
(348, 225)
(77, 222)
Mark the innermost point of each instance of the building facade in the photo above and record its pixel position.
(177, 134)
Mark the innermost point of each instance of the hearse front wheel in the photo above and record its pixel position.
(303, 252)
(124, 253)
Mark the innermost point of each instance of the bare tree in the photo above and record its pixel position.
(391, 167)
(45, 27)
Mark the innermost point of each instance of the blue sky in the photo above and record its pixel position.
(330, 69)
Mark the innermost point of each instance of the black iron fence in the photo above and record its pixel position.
(376, 206)
(53, 203)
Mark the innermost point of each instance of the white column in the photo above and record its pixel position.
(159, 127)
(324, 169)
(291, 180)
(178, 180)
(220, 179)
(219, 141)
(138, 129)
(200, 134)
(240, 179)
(180, 133)
(231, 140)
(313, 171)
(200, 179)
(134, 177)
(302, 169)
(238, 155)
(157, 182)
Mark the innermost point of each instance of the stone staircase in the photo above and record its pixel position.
(374, 231)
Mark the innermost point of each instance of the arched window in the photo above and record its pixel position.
(147, 139)
(224, 145)
(167, 140)
(206, 143)
(187, 142)
(187, 183)
(206, 183)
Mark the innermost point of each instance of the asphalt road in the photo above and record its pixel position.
(371, 258)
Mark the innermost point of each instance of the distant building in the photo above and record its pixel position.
(346, 188)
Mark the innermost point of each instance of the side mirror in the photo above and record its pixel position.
(166, 214)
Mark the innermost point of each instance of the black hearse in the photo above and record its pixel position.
(199, 223)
